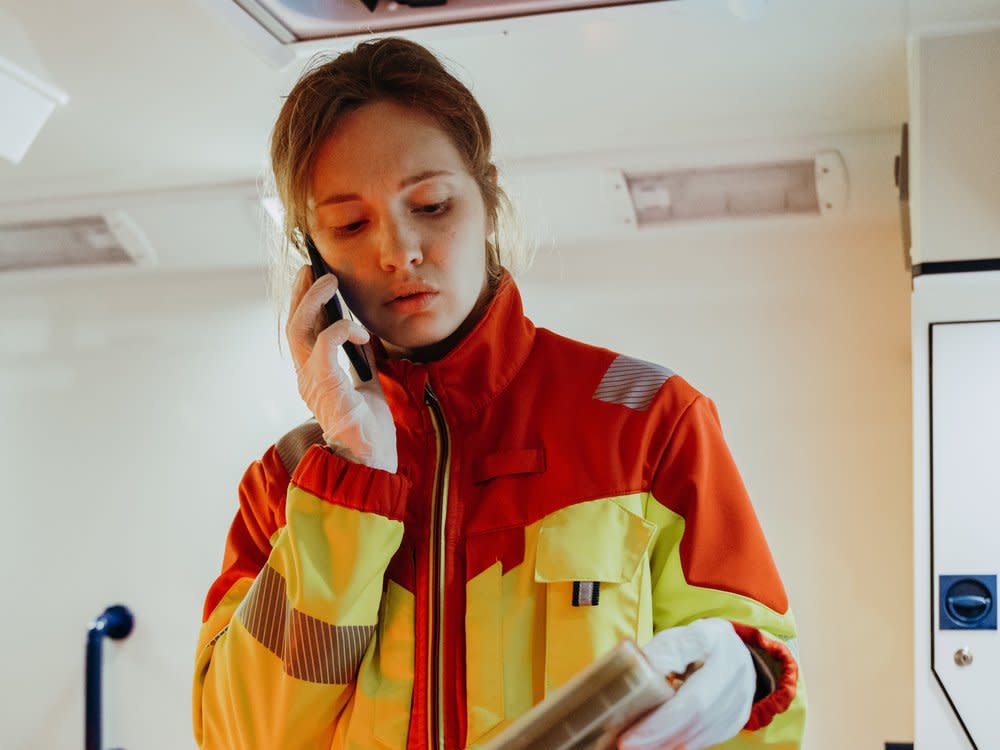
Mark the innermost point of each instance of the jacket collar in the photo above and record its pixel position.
(473, 373)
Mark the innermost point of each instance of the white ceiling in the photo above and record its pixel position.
(165, 96)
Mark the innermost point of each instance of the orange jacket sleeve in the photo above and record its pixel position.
(288, 622)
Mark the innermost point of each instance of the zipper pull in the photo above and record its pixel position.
(429, 398)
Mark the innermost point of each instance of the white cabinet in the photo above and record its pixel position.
(955, 147)
(956, 430)
(964, 362)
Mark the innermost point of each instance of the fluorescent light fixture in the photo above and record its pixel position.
(27, 102)
(789, 187)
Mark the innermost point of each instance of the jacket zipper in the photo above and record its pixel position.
(439, 510)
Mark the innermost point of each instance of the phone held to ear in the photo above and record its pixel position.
(335, 312)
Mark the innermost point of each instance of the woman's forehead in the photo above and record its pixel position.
(383, 143)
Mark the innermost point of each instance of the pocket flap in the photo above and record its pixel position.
(508, 462)
(597, 540)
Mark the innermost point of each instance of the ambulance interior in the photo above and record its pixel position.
(832, 282)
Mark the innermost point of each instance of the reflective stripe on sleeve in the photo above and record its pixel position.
(631, 382)
(310, 649)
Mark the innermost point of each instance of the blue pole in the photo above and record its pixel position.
(115, 622)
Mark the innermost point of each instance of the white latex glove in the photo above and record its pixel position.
(355, 417)
(714, 702)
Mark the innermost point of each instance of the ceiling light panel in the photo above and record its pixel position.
(292, 21)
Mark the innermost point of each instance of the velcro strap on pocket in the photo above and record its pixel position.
(507, 463)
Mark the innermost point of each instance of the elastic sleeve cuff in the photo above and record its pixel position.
(351, 485)
(785, 675)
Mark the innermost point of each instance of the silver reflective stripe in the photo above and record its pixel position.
(293, 446)
(310, 649)
(317, 651)
(262, 612)
(631, 382)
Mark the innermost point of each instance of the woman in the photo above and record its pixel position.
(447, 543)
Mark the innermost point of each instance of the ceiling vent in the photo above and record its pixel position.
(86, 241)
(292, 21)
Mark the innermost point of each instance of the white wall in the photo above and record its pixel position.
(800, 333)
(132, 405)
(129, 415)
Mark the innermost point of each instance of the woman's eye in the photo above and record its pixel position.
(348, 229)
(432, 209)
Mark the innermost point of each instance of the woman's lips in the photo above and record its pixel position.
(412, 303)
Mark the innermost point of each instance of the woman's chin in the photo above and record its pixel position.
(424, 337)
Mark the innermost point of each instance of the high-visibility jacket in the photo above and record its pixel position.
(552, 499)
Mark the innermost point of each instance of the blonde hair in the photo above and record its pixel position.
(382, 69)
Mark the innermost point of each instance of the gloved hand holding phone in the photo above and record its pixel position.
(712, 704)
(354, 415)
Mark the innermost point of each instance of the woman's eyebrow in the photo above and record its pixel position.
(413, 179)
(406, 182)
(339, 198)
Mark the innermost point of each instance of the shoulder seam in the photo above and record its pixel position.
(669, 442)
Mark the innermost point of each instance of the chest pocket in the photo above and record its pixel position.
(593, 558)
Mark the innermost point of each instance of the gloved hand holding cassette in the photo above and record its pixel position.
(714, 701)
(354, 415)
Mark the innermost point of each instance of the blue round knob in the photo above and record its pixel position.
(116, 621)
(968, 601)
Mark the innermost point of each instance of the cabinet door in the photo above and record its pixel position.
(965, 511)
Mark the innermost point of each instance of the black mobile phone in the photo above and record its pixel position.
(335, 312)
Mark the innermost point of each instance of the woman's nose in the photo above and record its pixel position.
(399, 246)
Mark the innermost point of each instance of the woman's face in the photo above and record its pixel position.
(402, 224)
